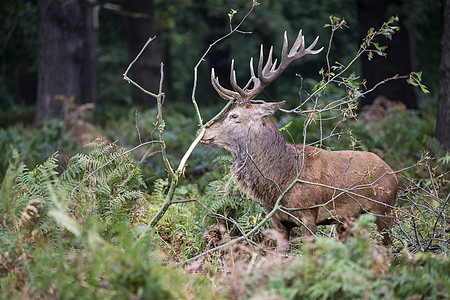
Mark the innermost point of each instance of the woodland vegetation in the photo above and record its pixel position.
(108, 195)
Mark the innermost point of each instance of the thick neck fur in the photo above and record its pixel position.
(264, 164)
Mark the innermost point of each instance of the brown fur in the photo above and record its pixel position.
(265, 165)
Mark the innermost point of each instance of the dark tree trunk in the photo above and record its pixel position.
(399, 60)
(67, 55)
(443, 114)
(140, 25)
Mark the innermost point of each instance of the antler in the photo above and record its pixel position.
(267, 74)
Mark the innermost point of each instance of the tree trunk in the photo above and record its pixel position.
(140, 25)
(399, 60)
(442, 132)
(67, 55)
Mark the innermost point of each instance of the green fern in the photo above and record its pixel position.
(445, 160)
(159, 188)
(108, 186)
(33, 185)
(7, 190)
(112, 183)
(224, 193)
(224, 198)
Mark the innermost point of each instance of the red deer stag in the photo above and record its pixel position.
(322, 187)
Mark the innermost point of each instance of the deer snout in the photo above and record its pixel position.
(206, 138)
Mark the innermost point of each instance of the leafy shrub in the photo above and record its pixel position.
(178, 227)
(356, 269)
(421, 276)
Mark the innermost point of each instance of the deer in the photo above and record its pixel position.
(310, 185)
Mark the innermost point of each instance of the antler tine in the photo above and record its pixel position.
(252, 71)
(254, 79)
(299, 43)
(310, 50)
(284, 50)
(297, 53)
(223, 92)
(274, 65)
(261, 60)
(267, 73)
(233, 81)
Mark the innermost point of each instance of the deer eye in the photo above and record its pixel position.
(233, 116)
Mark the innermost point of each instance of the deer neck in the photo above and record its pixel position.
(264, 165)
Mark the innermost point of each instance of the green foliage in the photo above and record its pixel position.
(109, 184)
(356, 269)
(34, 144)
(106, 184)
(7, 188)
(34, 185)
(73, 216)
(401, 143)
(128, 269)
(223, 199)
(424, 276)
(387, 30)
(415, 79)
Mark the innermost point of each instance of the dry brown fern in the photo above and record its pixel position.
(30, 213)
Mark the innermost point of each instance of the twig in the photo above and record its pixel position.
(202, 58)
(225, 218)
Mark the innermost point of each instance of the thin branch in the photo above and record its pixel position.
(202, 58)
(125, 75)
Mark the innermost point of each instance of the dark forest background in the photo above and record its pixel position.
(81, 48)
(62, 63)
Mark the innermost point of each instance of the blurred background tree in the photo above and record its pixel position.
(443, 116)
(67, 56)
(55, 47)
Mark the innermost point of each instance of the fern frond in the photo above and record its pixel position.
(31, 212)
(7, 188)
(160, 186)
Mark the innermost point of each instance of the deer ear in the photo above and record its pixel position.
(269, 108)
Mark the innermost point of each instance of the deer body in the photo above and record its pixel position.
(328, 185)
(317, 186)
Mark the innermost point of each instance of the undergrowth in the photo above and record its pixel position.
(78, 227)
(356, 269)
(79, 230)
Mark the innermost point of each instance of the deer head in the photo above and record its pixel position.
(245, 120)
(239, 125)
